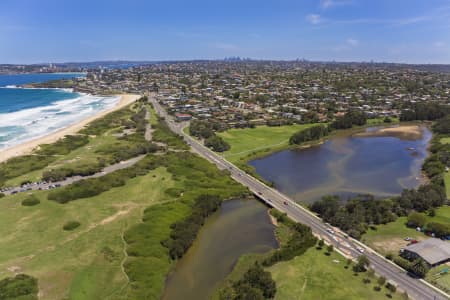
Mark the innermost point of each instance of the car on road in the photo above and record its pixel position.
(259, 193)
(285, 203)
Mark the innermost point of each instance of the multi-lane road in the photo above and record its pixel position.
(416, 289)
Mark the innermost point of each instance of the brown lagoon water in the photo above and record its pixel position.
(347, 165)
(239, 227)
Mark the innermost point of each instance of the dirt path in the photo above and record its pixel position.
(148, 127)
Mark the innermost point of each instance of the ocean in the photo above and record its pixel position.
(26, 114)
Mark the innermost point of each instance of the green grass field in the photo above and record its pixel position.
(246, 141)
(84, 263)
(314, 275)
(447, 184)
(445, 140)
(390, 237)
(440, 277)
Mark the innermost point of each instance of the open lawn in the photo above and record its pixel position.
(440, 276)
(447, 184)
(389, 238)
(445, 140)
(315, 275)
(84, 263)
(245, 141)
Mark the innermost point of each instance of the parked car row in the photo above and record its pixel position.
(40, 185)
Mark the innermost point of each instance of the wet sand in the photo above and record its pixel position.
(409, 132)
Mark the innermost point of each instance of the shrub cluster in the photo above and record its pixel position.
(417, 266)
(217, 144)
(71, 225)
(116, 118)
(301, 240)
(185, 231)
(309, 134)
(439, 159)
(351, 118)
(19, 287)
(163, 134)
(203, 129)
(63, 146)
(127, 147)
(30, 201)
(62, 173)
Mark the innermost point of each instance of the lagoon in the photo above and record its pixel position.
(348, 164)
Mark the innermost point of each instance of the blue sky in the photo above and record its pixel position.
(412, 31)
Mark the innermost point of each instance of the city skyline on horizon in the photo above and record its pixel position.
(412, 32)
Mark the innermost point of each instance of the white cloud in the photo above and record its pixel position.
(325, 4)
(352, 42)
(314, 19)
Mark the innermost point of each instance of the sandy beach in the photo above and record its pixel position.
(405, 132)
(28, 147)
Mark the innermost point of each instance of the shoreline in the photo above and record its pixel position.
(262, 153)
(28, 146)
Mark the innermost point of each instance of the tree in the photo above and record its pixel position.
(420, 268)
(381, 280)
(362, 264)
(439, 229)
(321, 244)
(217, 144)
(330, 248)
(392, 288)
(245, 291)
(309, 134)
(255, 284)
(416, 219)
